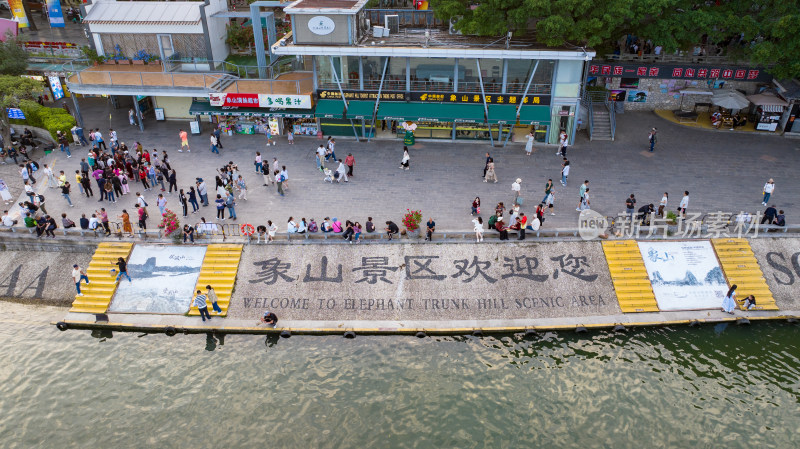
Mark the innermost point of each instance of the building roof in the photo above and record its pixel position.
(325, 6)
(144, 13)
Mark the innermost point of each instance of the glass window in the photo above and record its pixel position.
(350, 72)
(396, 74)
(520, 69)
(432, 74)
(568, 78)
(325, 72)
(373, 69)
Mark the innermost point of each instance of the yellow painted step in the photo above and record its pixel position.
(101, 287)
(629, 276)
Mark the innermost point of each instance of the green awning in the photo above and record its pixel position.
(529, 115)
(505, 114)
(431, 112)
(204, 108)
(360, 109)
(329, 109)
(335, 109)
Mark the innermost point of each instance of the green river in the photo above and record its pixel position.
(713, 386)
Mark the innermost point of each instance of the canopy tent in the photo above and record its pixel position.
(694, 91)
(767, 99)
(730, 99)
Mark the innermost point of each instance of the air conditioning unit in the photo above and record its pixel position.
(453, 21)
(392, 23)
(377, 31)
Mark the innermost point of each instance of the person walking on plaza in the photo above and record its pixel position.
(214, 144)
(477, 226)
(280, 179)
(684, 204)
(430, 226)
(79, 275)
(630, 206)
(562, 144)
(131, 115)
(26, 174)
(548, 186)
(652, 138)
(490, 174)
(202, 306)
(663, 204)
(242, 186)
(549, 201)
(290, 137)
(729, 303)
(486, 165)
(230, 203)
(122, 268)
(193, 200)
(258, 162)
(65, 193)
(320, 157)
(564, 172)
(184, 136)
(406, 159)
(220, 203)
(212, 297)
(141, 213)
(769, 187)
(161, 202)
(98, 139)
(126, 223)
(218, 135)
(350, 162)
(515, 187)
(201, 190)
(476, 206)
(529, 144)
(342, 172)
(581, 191)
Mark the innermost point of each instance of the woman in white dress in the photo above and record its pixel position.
(406, 158)
(271, 230)
(529, 145)
(729, 303)
(52, 182)
(478, 227)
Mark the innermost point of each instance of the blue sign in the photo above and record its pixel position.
(55, 86)
(55, 14)
(16, 113)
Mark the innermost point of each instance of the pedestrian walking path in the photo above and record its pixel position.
(97, 294)
(629, 276)
(742, 268)
(220, 265)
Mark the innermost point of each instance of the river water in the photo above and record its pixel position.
(713, 386)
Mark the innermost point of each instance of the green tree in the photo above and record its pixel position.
(13, 89)
(13, 58)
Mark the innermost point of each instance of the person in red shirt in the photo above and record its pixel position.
(523, 222)
(501, 229)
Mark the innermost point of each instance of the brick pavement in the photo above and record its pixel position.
(723, 170)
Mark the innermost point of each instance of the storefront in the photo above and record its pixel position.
(241, 120)
(768, 117)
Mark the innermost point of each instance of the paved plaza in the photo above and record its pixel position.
(723, 170)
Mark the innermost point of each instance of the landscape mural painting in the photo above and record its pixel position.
(163, 279)
(684, 275)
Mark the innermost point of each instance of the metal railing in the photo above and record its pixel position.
(432, 86)
(665, 59)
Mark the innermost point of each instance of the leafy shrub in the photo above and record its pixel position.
(51, 119)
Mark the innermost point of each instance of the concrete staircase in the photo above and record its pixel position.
(223, 82)
(741, 268)
(219, 269)
(629, 276)
(102, 285)
(601, 123)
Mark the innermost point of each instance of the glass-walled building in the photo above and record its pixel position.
(370, 80)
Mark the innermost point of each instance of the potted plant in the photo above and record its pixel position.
(170, 224)
(411, 221)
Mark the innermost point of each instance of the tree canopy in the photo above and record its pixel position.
(13, 58)
(770, 29)
(14, 89)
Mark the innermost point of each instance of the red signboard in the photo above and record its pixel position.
(677, 71)
(238, 100)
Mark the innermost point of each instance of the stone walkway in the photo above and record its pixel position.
(721, 170)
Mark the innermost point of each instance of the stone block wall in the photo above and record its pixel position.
(656, 99)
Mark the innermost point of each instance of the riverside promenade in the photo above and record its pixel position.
(723, 172)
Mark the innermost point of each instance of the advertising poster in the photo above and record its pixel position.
(55, 14)
(637, 96)
(162, 279)
(19, 13)
(684, 275)
(55, 86)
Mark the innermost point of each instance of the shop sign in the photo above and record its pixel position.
(321, 25)
(16, 113)
(33, 77)
(675, 71)
(452, 97)
(55, 86)
(260, 101)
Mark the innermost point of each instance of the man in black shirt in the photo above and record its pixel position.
(769, 215)
(391, 229)
(123, 268)
(84, 222)
(431, 227)
(369, 225)
(269, 319)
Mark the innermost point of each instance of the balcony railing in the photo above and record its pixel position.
(433, 86)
